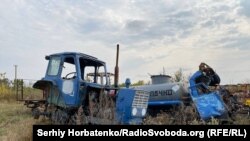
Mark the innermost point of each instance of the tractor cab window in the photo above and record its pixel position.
(69, 68)
(96, 75)
(101, 76)
(89, 70)
(54, 65)
(92, 71)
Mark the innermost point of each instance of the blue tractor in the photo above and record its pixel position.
(72, 97)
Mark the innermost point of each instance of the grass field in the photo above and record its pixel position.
(16, 119)
(16, 122)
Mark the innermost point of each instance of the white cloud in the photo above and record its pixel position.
(244, 7)
(152, 34)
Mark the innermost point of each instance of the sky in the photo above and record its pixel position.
(152, 34)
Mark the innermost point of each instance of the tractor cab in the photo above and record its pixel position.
(68, 72)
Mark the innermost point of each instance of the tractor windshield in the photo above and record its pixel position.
(54, 65)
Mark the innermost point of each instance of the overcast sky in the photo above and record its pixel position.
(152, 34)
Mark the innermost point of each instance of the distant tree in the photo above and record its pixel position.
(121, 85)
(246, 81)
(178, 76)
(139, 83)
(2, 75)
(3, 79)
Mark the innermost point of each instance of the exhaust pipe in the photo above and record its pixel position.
(116, 67)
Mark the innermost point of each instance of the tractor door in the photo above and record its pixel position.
(68, 82)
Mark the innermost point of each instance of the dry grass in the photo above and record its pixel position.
(6, 93)
(186, 116)
(182, 115)
(15, 119)
(101, 111)
(16, 122)
(106, 107)
(242, 119)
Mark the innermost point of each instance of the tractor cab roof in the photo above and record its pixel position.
(79, 55)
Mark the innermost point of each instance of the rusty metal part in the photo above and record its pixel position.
(116, 67)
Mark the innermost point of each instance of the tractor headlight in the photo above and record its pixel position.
(143, 112)
(134, 111)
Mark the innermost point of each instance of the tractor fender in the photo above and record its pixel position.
(42, 84)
